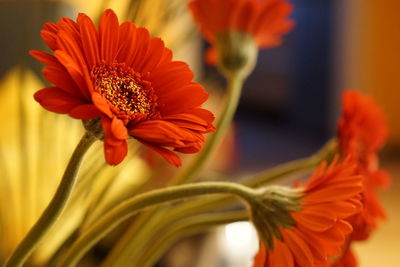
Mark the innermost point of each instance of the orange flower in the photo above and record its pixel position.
(121, 75)
(264, 20)
(362, 131)
(331, 195)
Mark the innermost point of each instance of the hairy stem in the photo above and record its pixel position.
(55, 207)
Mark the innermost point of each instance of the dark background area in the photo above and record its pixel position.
(284, 111)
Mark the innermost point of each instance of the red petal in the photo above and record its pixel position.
(118, 129)
(57, 100)
(73, 70)
(70, 46)
(168, 155)
(173, 75)
(85, 112)
(115, 150)
(115, 153)
(141, 48)
(299, 248)
(281, 256)
(259, 258)
(128, 43)
(182, 99)
(101, 104)
(90, 39)
(109, 34)
(49, 38)
(161, 132)
(153, 55)
(43, 57)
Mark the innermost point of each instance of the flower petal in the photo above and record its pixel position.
(57, 100)
(90, 39)
(109, 36)
(168, 155)
(85, 112)
(115, 150)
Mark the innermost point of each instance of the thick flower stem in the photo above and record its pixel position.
(55, 207)
(264, 178)
(235, 83)
(197, 206)
(131, 206)
(128, 250)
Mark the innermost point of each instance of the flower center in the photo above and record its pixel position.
(124, 90)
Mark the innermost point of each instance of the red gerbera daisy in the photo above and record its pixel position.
(121, 75)
(264, 20)
(362, 131)
(320, 229)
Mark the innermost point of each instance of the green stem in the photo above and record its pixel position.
(127, 249)
(185, 227)
(131, 206)
(181, 211)
(235, 83)
(220, 202)
(234, 88)
(266, 177)
(55, 207)
(276, 173)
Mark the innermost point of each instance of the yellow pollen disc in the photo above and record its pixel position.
(121, 88)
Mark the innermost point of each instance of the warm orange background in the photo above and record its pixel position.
(373, 36)
(372, 56)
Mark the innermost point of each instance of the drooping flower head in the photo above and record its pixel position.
(320, 228)
(362, 131)
(262, 21)
(120, 75)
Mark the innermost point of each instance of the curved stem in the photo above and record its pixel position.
(178, 212)
(235, 83)
(55, 207)
(129, 207)
(283, 170)
(263, 178)
(123, 247)
(186, 227)
(128, 246)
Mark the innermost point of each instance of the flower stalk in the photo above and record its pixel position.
(236, 72)
(55, 207)
(234, 88)
(131, 206)
(127, 248)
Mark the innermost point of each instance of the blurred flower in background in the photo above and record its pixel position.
(263, 21)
